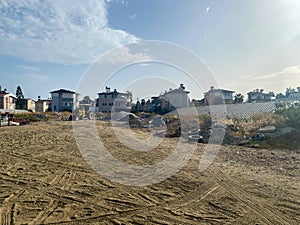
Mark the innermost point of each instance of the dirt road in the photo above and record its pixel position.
(45, 180)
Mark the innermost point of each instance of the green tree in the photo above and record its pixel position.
(238, 98)
(20, 97)
(137, 107)
(280, 96)
(19, 93)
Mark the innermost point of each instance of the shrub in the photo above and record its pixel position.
(32, 117)
(251, 125)
(290, 111)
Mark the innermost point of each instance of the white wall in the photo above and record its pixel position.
(177, 99)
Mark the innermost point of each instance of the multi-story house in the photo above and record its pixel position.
(168, 101)
(218, 96)
(64, 100)
(292, 94)
(7, 101)
(176, 98)
(259, 96)
(114, 101)
(43, 105)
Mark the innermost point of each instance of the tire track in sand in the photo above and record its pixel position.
(64, 179)
(264, 210)
(154, 207)
(7, 209)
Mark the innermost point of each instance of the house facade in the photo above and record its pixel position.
(177, 98)
(64, 100)
(26, 104)
(7, 101)
(259, 96)
(293, 94)
(218, 96)
(43, 105)
(114, 101)
(165, 102)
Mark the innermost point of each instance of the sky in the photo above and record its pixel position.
(245, 45)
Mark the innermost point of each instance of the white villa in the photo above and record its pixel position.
(64, 100)
(176, 98)
(114, 101)
(216, 96)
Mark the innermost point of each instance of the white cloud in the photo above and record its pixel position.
(27, 68)
(34, 76)
(58, 31)
(123, 2)
(123, 55)
(288, 71)
(132, 16)
(29, 76)
(276, 81)
(207, 9)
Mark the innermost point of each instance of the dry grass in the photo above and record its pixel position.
(250, 126)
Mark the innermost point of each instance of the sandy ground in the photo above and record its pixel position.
(45, 180)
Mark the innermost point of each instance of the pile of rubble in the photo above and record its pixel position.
(195, 131)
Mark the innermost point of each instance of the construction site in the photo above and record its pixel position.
(45, 179)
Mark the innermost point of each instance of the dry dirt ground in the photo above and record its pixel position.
(45, 180)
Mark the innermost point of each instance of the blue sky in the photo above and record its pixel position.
(46, 45)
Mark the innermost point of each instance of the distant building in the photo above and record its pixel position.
(43, 105)
(64, 100)
(87, 104)
(168, 101)
(7, 101)
(113, 101)
(176, 98)
(292, 94)
(218, 96)
(26, 104)
(259, 96)
(197, 103)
